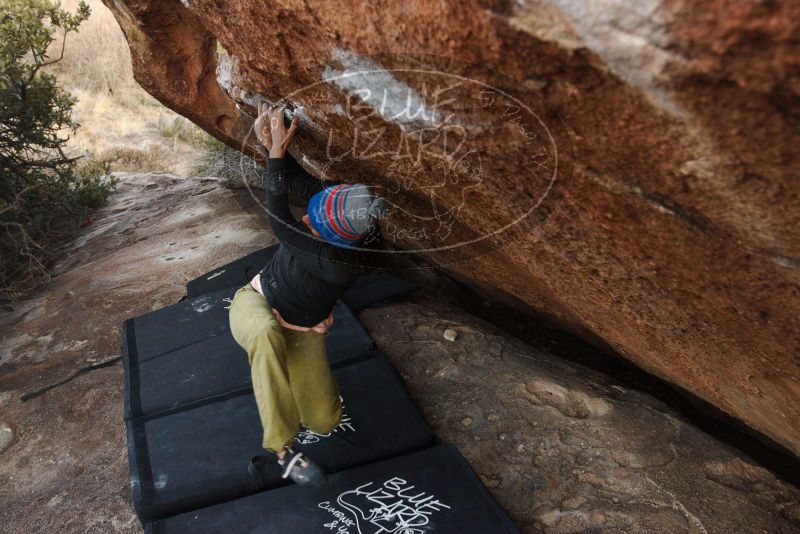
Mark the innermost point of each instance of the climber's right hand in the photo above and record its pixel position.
(281, 136)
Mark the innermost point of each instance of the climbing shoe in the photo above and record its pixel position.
(301, 469)
(264, 471)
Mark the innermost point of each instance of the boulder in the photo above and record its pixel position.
(626, 169)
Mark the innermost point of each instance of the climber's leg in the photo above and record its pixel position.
(315, 391)
(255, 328)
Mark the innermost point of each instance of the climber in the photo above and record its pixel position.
(282, 315)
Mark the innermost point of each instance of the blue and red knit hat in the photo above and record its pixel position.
(344, 214)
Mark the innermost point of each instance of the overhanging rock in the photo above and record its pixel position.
(631, 173)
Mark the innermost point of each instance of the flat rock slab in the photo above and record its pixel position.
(66, 469)
(564, 448)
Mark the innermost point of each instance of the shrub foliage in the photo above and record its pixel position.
(44, 194)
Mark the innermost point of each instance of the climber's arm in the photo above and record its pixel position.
(272, 131)
(314, 254)
(302, 184)
(287, 229)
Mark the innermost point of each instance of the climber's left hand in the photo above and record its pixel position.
(262, 126)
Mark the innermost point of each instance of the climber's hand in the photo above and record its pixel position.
(261, 126)
(281, 136)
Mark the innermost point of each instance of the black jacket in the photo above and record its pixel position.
(306, 276)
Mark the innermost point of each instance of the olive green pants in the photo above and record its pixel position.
(292, 380)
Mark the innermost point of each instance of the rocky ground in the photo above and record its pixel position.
(563, 448)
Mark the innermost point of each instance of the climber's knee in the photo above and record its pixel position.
(321, 423)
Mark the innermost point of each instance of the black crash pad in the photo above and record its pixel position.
(185, 353)
(199, 456)
(375, 287)
(371, 288)
(235, 273)
(182, 324)
(433, 491)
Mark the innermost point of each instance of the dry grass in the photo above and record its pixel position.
(96, 58)
(120, 122)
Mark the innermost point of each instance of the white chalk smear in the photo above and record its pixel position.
(378, 88)
(160, 481)
(216, 274)
(631, 38)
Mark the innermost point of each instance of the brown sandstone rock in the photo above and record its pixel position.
(657, 141)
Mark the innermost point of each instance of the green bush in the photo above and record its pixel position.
(44, 194)
(93, 183)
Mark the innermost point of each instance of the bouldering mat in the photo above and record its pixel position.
(182, 324)
(369, 289)
(234, 274)
(198, 456)
(375, 287)
(185, 353)
(433, 491)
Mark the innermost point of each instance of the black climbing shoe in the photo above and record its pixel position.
(301, 469)
(264, 471)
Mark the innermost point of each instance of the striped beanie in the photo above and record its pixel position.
(344, 214)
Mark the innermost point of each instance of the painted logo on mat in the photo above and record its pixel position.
(392, 507)
(307, 437)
